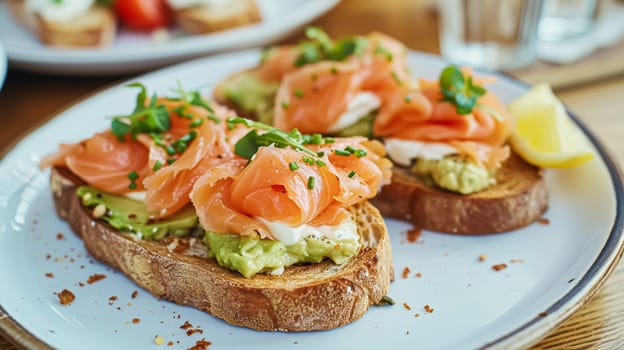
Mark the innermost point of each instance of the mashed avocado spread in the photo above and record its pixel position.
(130, 215)
(249, 255)
(252, 95)
(454, 173)
(246, 255)
(363, 127)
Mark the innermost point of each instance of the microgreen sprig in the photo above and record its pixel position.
(320, 47)
(459, 91)
(248, 145)
(153, 118)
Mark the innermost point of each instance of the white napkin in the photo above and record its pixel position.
(608, 30)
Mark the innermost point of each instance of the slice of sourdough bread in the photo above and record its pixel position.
(205, 19)
(304, 298)
(95, 28)
(518, 198)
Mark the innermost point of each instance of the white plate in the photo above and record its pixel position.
(135, 52)
(558, 265)
(3, 65)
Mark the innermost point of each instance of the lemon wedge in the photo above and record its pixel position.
(544, 134)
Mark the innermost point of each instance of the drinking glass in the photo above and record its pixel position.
(566, 19)
(489, 34)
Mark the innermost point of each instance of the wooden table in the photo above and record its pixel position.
(28, 99)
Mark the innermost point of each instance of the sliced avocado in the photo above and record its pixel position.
(253, 95)
(130, 215)
(250, 255)
(363, 127)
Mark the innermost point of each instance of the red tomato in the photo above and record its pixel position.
(143, 14)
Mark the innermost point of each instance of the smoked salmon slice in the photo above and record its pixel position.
(480, 134)
(160, 164)
(312, 97)
(103, 162)
(231, 197)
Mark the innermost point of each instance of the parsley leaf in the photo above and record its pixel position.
(459, 91)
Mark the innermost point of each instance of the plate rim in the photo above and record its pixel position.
(129, 60)
(523, 336)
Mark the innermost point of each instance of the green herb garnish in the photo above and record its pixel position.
(248, 145)
(360, 153)
(299, 93)
(153, 118)
(157, 165)
(193, 98)
(340, 152)
(293, 166)
(214, 118)
(458, 91)
(196, 122)
(351, 174)
(396, 78)
(133, 176)
(321, 48)
(310, 182)
(380, 50)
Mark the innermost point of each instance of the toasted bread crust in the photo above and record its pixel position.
(199, 20)
(95, 28)
(308, 297)
(517, 199)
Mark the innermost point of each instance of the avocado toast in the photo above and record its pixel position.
(454, 171)
(264, 229)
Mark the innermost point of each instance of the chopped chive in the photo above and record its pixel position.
(197, 122)
(133, 176)
(317, 139)
(334, 70)
(293, 166)
(171, 160)
(157, 165)
(351, 174)
(360, 153)
(310, 182)
(170, 150)
(396, 78)
(382, 50)
(285, 105)
(408, 99)
(350, 149)
(215, 119)
(329, 140)
(320, 163)
(308, 160)
(320, 154)
(298, 93)
(340, 152)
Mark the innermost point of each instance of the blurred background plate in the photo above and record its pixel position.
(3, 65)
(134, 52)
